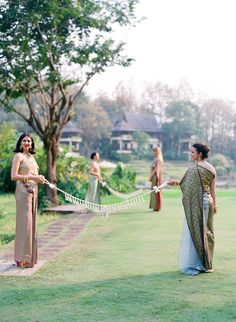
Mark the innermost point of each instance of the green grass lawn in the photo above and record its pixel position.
(8, 218)
(125, 269)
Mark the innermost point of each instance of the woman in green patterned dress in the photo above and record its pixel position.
(198, 186)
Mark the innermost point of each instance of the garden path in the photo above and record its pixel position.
(54, 240)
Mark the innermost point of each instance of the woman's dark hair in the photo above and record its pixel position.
(92, 156)
(202, 148)
(18, 147)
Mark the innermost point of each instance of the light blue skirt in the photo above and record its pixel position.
(189, 261)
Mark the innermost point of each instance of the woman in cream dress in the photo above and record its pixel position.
(25, 173)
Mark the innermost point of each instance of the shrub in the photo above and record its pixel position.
(71, 175)
(221, 164)
(122, 157)
(220, 170)
(7, 145)
(123, 179)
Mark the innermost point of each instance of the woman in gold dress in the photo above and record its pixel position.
(155, 179)
(25, 173)
(198, 186)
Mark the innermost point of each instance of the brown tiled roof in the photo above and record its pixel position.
(122, 126)
(70, 127)
(138, 123)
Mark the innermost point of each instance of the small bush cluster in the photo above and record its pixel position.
(123, 179)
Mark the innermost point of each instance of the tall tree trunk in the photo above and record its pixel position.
(52, 155)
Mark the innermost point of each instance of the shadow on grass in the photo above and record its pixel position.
(168, 296)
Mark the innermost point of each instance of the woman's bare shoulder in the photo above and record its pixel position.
(210, 167)
(18, 156)
(94, 165)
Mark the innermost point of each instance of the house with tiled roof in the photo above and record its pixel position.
(122, 140)
(71, 136)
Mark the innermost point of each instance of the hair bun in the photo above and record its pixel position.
(206, 148)
(202, 148)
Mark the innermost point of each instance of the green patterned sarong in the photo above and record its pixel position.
(194, 183)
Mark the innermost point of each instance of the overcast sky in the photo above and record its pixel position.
(180, 39)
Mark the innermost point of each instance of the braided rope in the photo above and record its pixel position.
(122, 195)
(106, 209)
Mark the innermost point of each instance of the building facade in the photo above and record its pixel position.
(71, 136)
(122, 140)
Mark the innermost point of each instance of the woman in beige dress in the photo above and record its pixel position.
(25, 173)
(155, 178)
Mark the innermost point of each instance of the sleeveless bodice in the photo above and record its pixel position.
(28, 166)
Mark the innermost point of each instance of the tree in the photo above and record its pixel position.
(7, 134)
(13, 118)
(94, 123)
(221, 164)
(141, 138)
(123, 100)
(217, 121)
(45, 47)
(158, 96)
(182, 122)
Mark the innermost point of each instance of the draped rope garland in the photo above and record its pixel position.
(122, 195)
(107, 209)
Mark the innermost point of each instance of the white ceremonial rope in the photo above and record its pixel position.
(122, 195)
(106, 209)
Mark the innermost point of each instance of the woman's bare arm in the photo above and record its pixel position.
(15, 168)
(213, 193)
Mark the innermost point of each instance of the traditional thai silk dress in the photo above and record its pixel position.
(25, 248)
(93, 193)
(197, 243)
(155, 198)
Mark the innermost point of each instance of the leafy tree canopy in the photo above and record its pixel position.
(182, 117)
(39, 38)
(45, 47)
